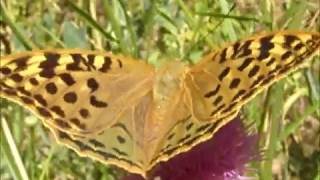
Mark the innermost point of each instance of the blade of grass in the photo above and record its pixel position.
(148, 19)
(293, 126)
(314, 87)
(235, 17)
(9, 148)
(17, 31)
(273, 115)
(187, 12)
(46, 164)
(132, 33)
(294, 15)
(97, 37)
(109, 9)
(90, 20)
(227, 24)
(51, 35)
(292, 99)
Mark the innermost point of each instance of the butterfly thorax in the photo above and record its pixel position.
(168, 81)
(167, 91)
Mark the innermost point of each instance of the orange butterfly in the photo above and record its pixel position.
(127, 113)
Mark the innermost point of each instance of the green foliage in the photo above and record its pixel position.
(156, 31)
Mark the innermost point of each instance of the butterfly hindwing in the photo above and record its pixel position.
(121, 144)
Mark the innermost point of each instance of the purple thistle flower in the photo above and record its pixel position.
(223, 157)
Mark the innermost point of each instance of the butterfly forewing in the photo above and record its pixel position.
(228, 78)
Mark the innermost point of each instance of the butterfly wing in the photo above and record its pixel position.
(217, 87)
(89, 100)
(228, 78)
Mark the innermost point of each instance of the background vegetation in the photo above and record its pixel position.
(287, 115)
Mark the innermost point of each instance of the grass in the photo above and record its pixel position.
(287, 115)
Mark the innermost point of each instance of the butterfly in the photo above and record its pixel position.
(127, 113)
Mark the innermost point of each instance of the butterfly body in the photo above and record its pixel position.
(125, 112)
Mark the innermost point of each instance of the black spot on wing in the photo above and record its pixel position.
(5, 70)
(234, 83)
(75, 65)
(61, 123)
(213, 58)
(118, 151)
(92, 84)
(43, 112)
(217, 100)
(34, 81)
(249, 94)
(10, 92)
(171, 136)
(224, 73)
(268, 79)
(122, 127)
(119, 63)
(239, 94)
(217, 109)
(96, 143)
(16, 77)
(271, 61)
(286, 55)
(27, 100)
(106, 64)
(22, 90)
(58, 111)
(67, 79)
(180, 141)
(47, 73)
(77, 122)
(84, 113)
(121, 139)
(230, 107)
(51, 88)
(97, 103)
(50, 62)
(21, 63)
(284, 69)
(253, 71)
(40, 99)
(242, 50)
(214, 92)
(223, 56)
(235, 49)
(202, 128)
(189, 126)
(70, 97)
(289, 39)
(91, 58)
(265, 46)
(245, 63)
(298, 47)
(257, 81)
(90, 63)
